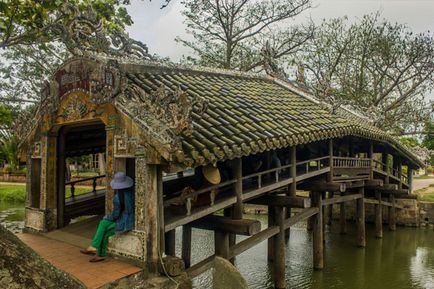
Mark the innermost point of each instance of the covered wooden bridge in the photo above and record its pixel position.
(164, 125)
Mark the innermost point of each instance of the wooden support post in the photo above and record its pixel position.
(385, 161)
(170, 243)
(293, 185)
(360, 220)
(318, 244)
(331, 173)
(371, 156)
(237, 213)
(270, 242)
(330, 210)
(186, 245)
(147, 211)
(279, 250)
(324, 215)
(392, 213)
(378, 216)
(221, 243)
(160, 205)
(343, 218)
(311, 220)
(400, 172)
(410, 179)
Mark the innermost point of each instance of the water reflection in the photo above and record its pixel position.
(422, 268)
(401, 260)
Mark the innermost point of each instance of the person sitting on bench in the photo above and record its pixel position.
(120, 220)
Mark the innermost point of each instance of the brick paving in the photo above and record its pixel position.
(68, 258)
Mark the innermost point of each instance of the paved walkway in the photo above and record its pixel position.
(422, 183)
(67, 257)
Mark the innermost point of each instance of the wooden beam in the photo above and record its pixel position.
(200, 267)
(238, 187)
(282, 201)
(341, 199)
(244, 227)
(199, 213)
(221, 244)
(321, 186)
(250, 242)
(370, 184)
(293, 187)
(383, 203)
(303, 215)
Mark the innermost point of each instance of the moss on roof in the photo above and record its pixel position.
(248, 115)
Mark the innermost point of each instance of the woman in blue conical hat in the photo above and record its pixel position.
(120, 220)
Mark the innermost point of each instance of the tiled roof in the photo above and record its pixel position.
(248, 114)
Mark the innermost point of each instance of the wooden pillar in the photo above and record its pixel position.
(343, 217)
(360, 219)
(399, 163)
(410, 179)
(330, 175)
(186, 245)
(318, 244)
(270, 241)
(330, 210)
(147, 211)
(384, 160)
(160, 205)
(392, 213)
(371, 156)
(221, 244)
(170, 243)
(279, 250)
(311, 220)
(237, 212)
(378, 216)
(293, 185)
(324, 215)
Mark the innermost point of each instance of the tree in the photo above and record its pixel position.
(233, 34)
(376, 66)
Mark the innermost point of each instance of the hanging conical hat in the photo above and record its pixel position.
(211, 174)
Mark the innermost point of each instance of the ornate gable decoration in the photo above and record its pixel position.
(165, 114)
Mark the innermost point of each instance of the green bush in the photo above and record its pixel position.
(13, 193)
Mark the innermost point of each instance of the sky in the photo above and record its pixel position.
(158, 28)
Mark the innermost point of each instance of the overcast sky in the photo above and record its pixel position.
(158, 28)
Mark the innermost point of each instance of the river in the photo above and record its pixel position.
(400, 260)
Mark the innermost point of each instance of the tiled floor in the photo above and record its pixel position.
(68, 258)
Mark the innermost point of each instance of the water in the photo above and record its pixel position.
(12, 216)
(401, 260)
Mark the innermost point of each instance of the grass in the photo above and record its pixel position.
(423, 177)
(13, 193)
(426, 194)
(17, 193)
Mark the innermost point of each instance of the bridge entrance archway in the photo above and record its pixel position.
(76, 144)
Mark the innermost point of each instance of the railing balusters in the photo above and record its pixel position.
(94, 185)
(259, 181)
(72, 190)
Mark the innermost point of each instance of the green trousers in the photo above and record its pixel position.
(103, 232)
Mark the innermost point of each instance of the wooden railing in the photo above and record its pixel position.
(341, 162)
(391, 172)
(94, 184)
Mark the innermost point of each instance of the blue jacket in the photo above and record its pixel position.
(124, 219)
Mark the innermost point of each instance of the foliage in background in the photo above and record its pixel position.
(381, 68)
(243, 34)
(409, 141)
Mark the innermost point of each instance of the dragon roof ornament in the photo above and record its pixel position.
(165, 114)
(83, 34)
